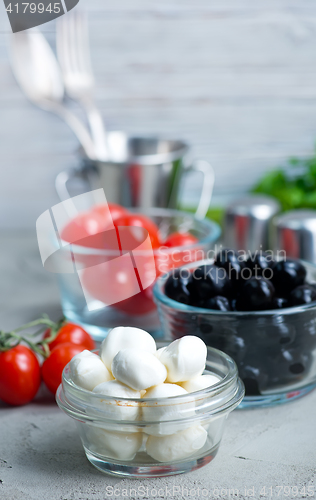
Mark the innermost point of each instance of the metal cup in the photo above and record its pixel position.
(247, 223)
(295, 234)
(142, 172)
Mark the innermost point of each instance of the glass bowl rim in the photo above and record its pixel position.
(230, 387)
(160, 296)
(222, 407)
(219, 386)
(213, 228)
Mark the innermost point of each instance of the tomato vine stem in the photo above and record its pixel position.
(9, 340)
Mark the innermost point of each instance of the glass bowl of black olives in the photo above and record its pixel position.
(260, 311)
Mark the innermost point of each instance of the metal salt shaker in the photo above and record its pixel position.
(247, 223)
(295, 234)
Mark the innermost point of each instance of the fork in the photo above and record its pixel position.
(72, 40)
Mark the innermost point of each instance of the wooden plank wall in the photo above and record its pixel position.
(236, 78)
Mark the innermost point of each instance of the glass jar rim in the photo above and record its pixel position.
(228, 392)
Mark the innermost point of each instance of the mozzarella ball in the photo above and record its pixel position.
(165, 411)
(178, 446)
(116, 409)
(184, 358)
(165, 391)
(159, 352)
(200, 382)
(125, 337)
(117, 445)
(138, 369)
(87, 370)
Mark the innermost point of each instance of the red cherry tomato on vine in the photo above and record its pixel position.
(53, 366)
(138, 220)
(74, 334)
(20, 375)
(180, 239)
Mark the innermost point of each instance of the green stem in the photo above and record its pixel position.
(41, 347)
(41, 321)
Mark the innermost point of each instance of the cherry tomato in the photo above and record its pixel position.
(111, 282)
(115, 211)
(141, 303)
(177, 258)
(180, 239)
(116, 282)
(90, 229)
(82, 228)
(53, 366)
(74, 334)
(20, 375)
(138, 220)
(119, 284)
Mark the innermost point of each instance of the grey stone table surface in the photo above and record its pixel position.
(263, 452)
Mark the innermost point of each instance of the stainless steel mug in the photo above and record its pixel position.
(247, 223)
(295, 234)
(142, 172)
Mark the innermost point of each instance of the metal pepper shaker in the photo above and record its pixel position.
(295, 234)
(247, 223)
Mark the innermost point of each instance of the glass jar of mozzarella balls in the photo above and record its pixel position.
(171, 428)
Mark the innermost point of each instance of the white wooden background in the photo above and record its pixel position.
(236, 78)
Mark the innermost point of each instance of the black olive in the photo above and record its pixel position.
(254, 379)
(176, 286)
(207, 282)
(287, 275)
(236, 348)
(273, 334)
(304, 294)
(260, 264)
(279, 303)
(255, 294)
(218, 303)
(290, 365)
(231, 261)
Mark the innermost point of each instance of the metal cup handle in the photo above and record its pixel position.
(207, 186)
(64, 176)
(64, 195)
(61, 183)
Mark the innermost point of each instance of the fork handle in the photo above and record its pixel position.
(79, 130)
(97, 128)
(75, 124)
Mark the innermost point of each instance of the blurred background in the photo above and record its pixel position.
(235, 78)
